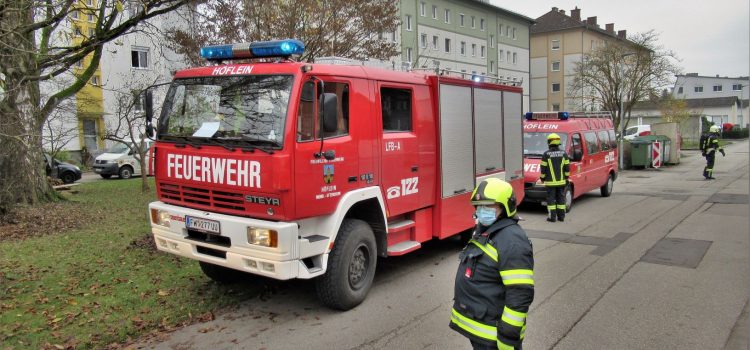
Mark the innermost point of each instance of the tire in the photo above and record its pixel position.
(68, 177)
(608, 186)
(223, 275)
(568, 198)
(351, 267)
(126, 172)
(105, 176)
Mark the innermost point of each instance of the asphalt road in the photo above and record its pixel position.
(664, 263)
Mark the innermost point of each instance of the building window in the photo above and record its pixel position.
(736, 87)
(481, 24)
(434, 11)
(492, 66)
(79, 64)
(507, 56)
(92, 32)
(435, 45)
(492, 40)
(74, 14)
(463, 48)
(473, 50)
(679, 90)
(501, 56)
(95, 80)
(408, 54)
(447, 45)
(717, 88)
(514, 33)
(77, 31)
(507, 31)
(422, 9)
(408, 22)
(482, 51)
(447, 16)
(699, 89)
(473, 22)
(555, 107)
(461, 19)
(139, 58)
(555, 44)
(423, 39)
(556, 66)
(138, 98)
(555, 87)
(515, 58)
(90, 2)
(91, 17)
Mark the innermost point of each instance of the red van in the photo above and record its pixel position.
(587, 137)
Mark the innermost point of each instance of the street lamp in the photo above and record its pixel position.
(622, 108)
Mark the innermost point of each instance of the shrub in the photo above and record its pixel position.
(736, 133)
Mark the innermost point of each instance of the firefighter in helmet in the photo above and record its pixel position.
(709, 146)
(555, 170)
(495, 280)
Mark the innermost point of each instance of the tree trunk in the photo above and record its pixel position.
(144, 171)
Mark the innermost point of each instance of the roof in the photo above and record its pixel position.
(710, 102)
(695, 75)
(487, 4)
(554, 20)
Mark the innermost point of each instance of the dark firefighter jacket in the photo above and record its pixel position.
(710, 144)
(554, 167)
(494, 286)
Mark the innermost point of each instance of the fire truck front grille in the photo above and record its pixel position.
(202, 197)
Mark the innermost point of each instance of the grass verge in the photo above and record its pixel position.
(98, 285)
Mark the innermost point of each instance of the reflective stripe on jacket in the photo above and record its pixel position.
(554, 167)
(494, 286)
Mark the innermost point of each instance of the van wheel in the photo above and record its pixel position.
(105, 176)
(223, 275)
(126, 172)
(608, 186)
(351, 267)
(568, 198)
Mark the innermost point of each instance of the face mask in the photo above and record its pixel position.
(486, 215)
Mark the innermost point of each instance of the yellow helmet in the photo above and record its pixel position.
(714, 128)
(491, 191)
(553, 139)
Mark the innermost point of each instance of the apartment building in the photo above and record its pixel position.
(558, 42)
(471, 37)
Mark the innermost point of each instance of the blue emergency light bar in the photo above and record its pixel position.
(547, 115)
(260, 49)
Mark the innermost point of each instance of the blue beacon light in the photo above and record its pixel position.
(261, 49)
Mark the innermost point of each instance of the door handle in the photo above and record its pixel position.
(352, 179)
(414, 169)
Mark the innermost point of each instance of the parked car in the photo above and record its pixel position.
(58, 169)
(637, 130)
(119, 160)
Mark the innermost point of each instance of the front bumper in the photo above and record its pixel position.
(106, 169)
(294, 257)
(534, 193)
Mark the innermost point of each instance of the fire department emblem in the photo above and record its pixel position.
(328, 173)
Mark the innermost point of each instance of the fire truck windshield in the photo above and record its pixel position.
(535, 143)
(238, 109)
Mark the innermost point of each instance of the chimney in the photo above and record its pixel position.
(562, 11)
(576, 14)
(610, 27)
(591, 21)
(622, 34)
(554, 9)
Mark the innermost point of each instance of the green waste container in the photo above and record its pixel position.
(640, 153)
(664, 142)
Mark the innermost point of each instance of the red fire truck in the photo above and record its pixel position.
(587, 137)
(296, 170)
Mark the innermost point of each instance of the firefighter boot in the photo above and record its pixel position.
(561, 215)
(551, 215)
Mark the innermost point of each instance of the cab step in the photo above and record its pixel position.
(400, 225)
(403, 248)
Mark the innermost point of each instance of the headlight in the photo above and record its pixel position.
(77, 168)
(264, 237)
(111, 161)
(160, 217)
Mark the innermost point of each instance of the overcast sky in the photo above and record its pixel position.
(709, 36)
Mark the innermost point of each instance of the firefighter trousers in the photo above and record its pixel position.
(708, 171)
(556, 202)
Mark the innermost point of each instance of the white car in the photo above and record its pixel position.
(637, 130)
(119, 160)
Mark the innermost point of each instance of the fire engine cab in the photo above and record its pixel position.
(295, 170)
(589, 140)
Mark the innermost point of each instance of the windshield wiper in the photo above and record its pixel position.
(533, 155)
(186, 140)
(224, 143)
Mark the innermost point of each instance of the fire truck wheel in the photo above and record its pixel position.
(126, 172)
(608, 186)
(351, 267)
(568, 198)
(223, 275)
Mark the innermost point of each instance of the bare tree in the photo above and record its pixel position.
(60, 128)
(344, 28)
(38, 43)
(623, 72)
(673, 110)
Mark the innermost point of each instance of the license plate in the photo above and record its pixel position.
(204, 225)
(97, 170)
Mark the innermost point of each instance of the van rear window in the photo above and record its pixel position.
(604, 138)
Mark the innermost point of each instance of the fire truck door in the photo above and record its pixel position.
(400, 179)
(577, 175)
(319, 181)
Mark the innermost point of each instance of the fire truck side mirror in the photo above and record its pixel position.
(149, 107)
(329, 111)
